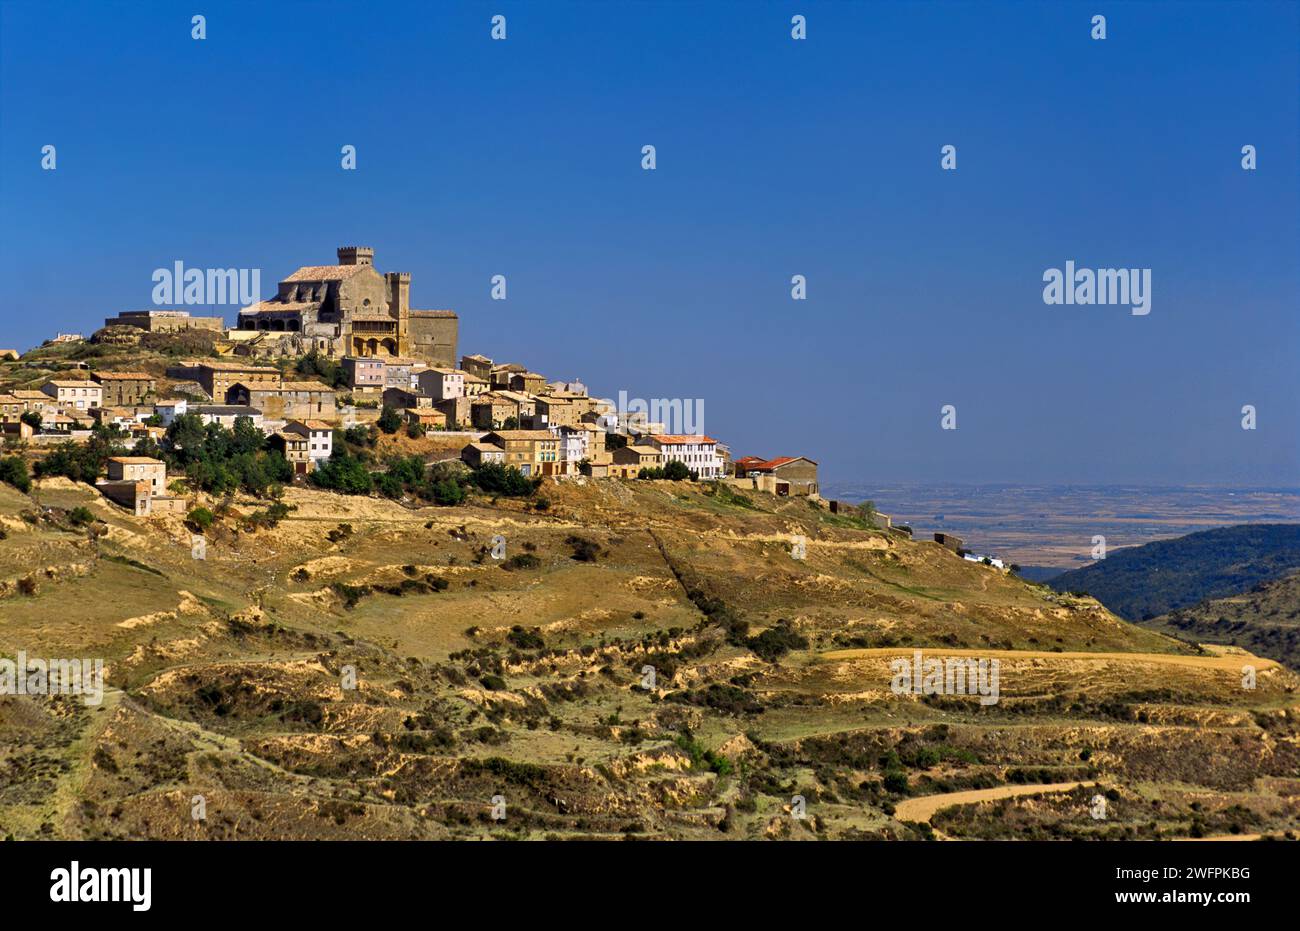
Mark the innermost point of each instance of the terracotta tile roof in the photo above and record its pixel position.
(131, 376)
(449, 314)
(776, 463)
(273, 306)
(58, 383)
(325, 272)
(523, 434)
(677, 439)
(292, 386)
(135, 460)
(309, 425)
(229, 367)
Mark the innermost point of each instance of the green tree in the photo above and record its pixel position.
(32, 419)
(677, 471)
(13, 471)
(389, 420)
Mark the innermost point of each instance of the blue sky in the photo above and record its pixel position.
(775, 157)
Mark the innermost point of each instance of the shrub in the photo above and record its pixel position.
(584, 550)
(526, 639)
(521, 561)
(80, 516)
(776, 641)
(13, 471)
(896, 781)
(507, 481)
(344, 472)
(201, 518)
(447, 492)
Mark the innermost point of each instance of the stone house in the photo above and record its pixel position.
(478, 366)
(554, 412)
(11, 408)
(499, 376)
(124, 388)
(474, 385)
(442, 383)
(458, 411)
(293, 446)
(628, 461)
(217, 378)
(783, 476)
(527, 382)
(491, 411)
(139, 469)
(529, 451)
(431, 418)
(954, 543)
(291, 400)
(477, 454)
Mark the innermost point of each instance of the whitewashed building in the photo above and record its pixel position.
(697, 452)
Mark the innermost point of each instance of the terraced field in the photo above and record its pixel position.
(647, 660)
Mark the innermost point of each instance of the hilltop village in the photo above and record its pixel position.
(335, 359)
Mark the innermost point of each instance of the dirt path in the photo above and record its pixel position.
(1228, 662)
(925, 807)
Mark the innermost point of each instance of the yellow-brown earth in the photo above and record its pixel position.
(478, 678)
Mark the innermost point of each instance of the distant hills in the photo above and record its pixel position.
(1144, 582)
(1264, 620)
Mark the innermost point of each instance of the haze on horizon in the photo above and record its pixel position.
(775, 158)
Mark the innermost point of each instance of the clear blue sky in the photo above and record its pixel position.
(775, 157)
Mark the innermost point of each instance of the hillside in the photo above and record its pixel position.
(1156, 578)
(1264, 620)
(525, 680)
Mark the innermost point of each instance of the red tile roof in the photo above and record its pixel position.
(773, 463)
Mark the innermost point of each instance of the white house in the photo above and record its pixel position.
(698, 452)
(575, 442)
(442, 384)
(320, 438)
(170, 410)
